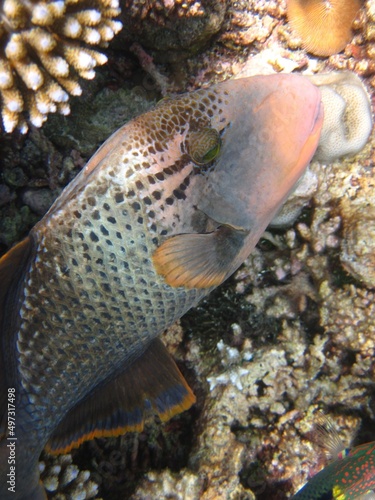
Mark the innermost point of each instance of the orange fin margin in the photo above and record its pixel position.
(198, 260)
(152, 382)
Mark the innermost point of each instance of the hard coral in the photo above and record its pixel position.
(43, 51)
(64, 480)
(347, 115)
(324, 27)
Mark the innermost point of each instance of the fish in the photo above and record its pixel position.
(166, 210)
(349, 476)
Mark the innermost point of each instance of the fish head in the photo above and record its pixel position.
(272, 132)
(269, 128)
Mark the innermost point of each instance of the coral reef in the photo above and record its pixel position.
(43, 51)
(292, 332)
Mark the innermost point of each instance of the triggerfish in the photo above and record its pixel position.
(165, 211)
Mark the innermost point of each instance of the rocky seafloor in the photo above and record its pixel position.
(292, 332)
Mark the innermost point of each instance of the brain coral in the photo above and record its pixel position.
(43, 51)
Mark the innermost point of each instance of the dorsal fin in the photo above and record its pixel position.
(153, 381)
(199, 260)
(12, 268)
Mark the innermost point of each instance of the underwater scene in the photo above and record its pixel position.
(193, 318)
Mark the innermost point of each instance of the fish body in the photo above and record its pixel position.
(350, 477)
(138, 238)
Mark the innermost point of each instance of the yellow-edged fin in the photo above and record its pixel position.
(153, 381)
(198, 260)
(12, 268)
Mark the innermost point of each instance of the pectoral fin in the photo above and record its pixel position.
(199, 260)
(153, 381)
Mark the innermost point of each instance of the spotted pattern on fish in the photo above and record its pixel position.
(137, 239)
(108, 314)
(350, 477)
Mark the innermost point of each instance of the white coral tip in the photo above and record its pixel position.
(22, 127)
(72, 28)
(14, 105)
(6, 79)
(63, 108)
(116, 26)
(100, 58)
(106, 33)
(91, 17)
(41, 15)
(10, 120)
(87, 75)
(61, 67)
(11, 8)
(58, 8)
(75, 90)
(15, 48)
(46, 42)
(33, 77)
(58, 95)
(92, 36)
(85, 61)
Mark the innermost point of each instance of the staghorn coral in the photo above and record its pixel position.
(43, 51)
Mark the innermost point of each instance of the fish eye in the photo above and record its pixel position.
(203, 145)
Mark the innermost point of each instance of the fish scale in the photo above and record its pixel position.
(127, 283)
(137, 239)
(129, 297)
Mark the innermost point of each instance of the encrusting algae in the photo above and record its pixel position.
(44, 49)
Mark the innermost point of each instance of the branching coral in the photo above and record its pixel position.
(43, 51)
(64, 480)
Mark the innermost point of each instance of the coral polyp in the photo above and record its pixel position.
(44, 49)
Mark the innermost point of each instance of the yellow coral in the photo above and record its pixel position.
(43, 52)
